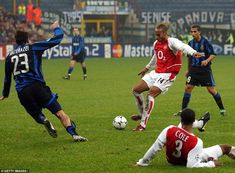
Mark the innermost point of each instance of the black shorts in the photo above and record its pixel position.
(200, 77)
(80, 57)
(37, 96)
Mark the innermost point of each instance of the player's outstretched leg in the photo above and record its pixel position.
(177, 113)
(70, 126)
(231, 153)
(146, 114)
(84, 70)
(217, 99)
(200, 123)
(67, 77)
(205, 118)
(185, 102)
(41, 119)
(49, 127)
(139, 99)
(71, 129)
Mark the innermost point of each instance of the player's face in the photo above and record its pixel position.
(195, 33)
(160, 34)
(76, 31)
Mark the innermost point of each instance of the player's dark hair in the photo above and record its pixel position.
(21, 37)
(196, 26)
(163, 26)
(187, 116)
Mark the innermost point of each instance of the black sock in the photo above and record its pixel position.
(186, 100)
(218, 101)
(84, 70)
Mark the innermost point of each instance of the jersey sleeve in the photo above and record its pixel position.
(209, 48)
(176, 45)
(7, 79)
(154, 149)
(194, 160)
(152, 62)
(55, 40)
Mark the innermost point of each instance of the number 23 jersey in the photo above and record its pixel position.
(25, 62)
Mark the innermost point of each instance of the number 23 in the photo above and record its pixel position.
(19, 60)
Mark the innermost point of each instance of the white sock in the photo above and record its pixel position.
(147, 111)
(139, 99)
(232, 151)
(197, 124)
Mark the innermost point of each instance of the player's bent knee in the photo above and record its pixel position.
(54, 107)
(226, 148)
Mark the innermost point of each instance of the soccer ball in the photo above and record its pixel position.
(119, 122)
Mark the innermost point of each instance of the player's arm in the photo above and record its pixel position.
(210, 51)
(154, 149)
(7, 80)
(208, 60)
(150, 65)
(55, 40)
(194, 160)
(176, 44)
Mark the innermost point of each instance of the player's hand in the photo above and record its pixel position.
(55, 25)
(197, 55)
(2, 98)
(143, 71)
(217, 163)
(204, 63)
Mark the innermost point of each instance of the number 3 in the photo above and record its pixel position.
(19, 60)
(179, 145)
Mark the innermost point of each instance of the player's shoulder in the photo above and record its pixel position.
(206, 41)
(155, 42)
(173, 39)
(172, 42)
(170, 127)
(191, 41)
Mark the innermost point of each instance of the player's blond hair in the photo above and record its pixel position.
(163, 26)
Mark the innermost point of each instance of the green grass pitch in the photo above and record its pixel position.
(93, 104)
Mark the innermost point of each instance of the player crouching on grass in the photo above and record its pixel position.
(25, 64)
(184, 148)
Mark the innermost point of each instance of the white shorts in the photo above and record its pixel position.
(211, 152)
(160, 80)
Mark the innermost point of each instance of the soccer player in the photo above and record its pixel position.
(78, 54)
(166, 62)
(199, 70)
(184, 148)
(25, 64)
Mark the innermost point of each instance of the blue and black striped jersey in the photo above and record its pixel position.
(25, 63)
(78, 45)
(204, 47)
